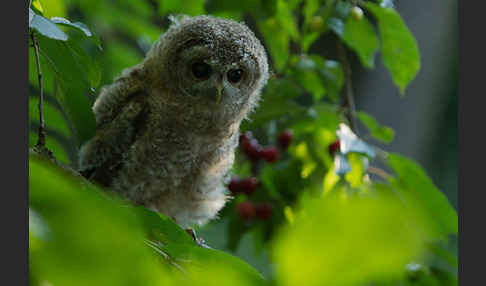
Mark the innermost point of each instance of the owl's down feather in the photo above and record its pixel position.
(168, 127)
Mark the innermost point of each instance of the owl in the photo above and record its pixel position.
(168, 127)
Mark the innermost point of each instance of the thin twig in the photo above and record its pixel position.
(380, 172)
(348, 99)
(41, 141)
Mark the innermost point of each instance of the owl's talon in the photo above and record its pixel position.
(198, 240)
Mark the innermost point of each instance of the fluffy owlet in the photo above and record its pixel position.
(167, 128)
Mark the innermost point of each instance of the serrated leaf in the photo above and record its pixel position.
(382, 133)
(414, 184)
(78, 25)
(47, 28)
(399, 48)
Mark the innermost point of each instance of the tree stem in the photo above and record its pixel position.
(41, 141)
(348, 98)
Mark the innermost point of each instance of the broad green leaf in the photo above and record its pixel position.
(358, 168)
(372, 235)
(52, 116)
(161, 228)
(91, 240)
(277, 41)
(382, 133)
(360, 36)
(192, 8)
(239, 6)
(400, 52)
(37, 5)
(78, 25)
(47, 28)
(332, 76)
(72, 71)
(311, 82)
(53, 145)
(416, 187)
(54, 8)
(220, 265)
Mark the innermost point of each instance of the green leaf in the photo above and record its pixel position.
(360, 36)
(161, 228)
(372, 235)
(332, 76)
(415, 186)
(277, 41)
(52, 116)
(308, 77)
(58, 150)
(399, 49)
(37, 5)
(192, 8)
(73, 72)
(77, 25)
(213, 267)
(89, 239)
(382, 133)
(46, 27)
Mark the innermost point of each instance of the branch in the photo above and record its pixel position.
(348, 99)
(41, 141)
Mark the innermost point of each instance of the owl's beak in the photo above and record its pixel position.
(219, 89)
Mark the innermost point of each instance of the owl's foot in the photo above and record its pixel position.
(198, 240)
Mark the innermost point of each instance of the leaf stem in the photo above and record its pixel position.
(41, 141)
(348, 98)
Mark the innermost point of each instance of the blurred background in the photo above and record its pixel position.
(424, 120)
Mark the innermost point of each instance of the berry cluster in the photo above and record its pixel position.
(248, 210)
(256, 153)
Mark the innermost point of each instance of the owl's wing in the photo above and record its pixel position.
(101, 157)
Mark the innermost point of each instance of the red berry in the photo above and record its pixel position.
(334, 146)
(246, 210)
(285, 138)
(249, 185)
(235, 185)
(245, 137)
(269, 154)
(252, 150)
(264, 211)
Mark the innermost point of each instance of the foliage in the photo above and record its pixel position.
(320, 206)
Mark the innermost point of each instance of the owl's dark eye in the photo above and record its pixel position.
(201, 70)
(235, 75)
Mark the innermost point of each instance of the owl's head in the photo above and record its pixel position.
(210, 62)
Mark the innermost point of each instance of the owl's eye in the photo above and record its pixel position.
(235, 75)
(201, 70)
